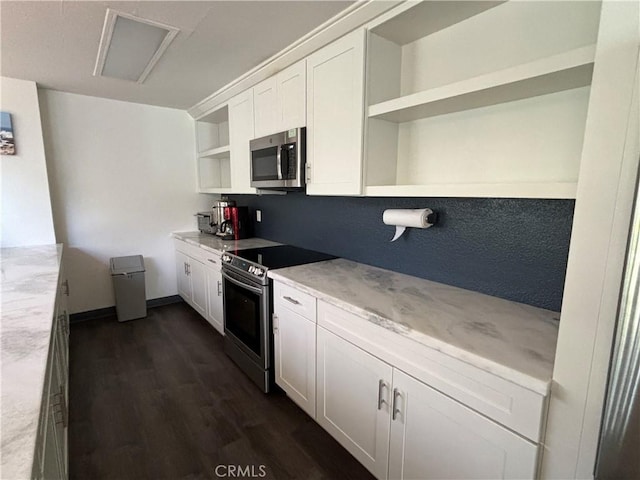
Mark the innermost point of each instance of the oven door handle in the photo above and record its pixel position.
(239, 283)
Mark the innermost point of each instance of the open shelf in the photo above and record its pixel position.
(487, 190)
(214, 174)
(214, 155)
(219, 152)
(212, 130)
(560, 72)
(478, 98)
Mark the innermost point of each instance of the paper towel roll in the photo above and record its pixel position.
(402, 218)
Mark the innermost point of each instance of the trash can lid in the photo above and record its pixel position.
(124, 265)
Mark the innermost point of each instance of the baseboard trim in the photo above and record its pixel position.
(111, 311)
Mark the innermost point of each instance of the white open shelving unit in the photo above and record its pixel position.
(214, 161)
(506, 118)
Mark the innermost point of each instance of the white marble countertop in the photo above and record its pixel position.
(28, 286)
(217, 245)
(514, 341)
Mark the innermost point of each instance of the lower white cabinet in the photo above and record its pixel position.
(353, 400)
(51, 454)
(192, 282)
(295, 346)
(435, 437)
(200, 282)
(400, 428)
(294, 337)
(214, 295)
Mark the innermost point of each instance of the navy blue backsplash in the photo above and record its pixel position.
(510, 248)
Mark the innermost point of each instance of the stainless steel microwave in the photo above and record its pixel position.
(278, 161)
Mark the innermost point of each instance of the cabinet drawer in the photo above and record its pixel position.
(505, 402)
(207, 257)
(301, 303)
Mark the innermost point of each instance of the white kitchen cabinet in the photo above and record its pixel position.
(294, 333)
(214, 293)
(280, 101)
(401, 427)
(291, 96)
(265, 104)
(353, 389)
(199, 286)
(241, 131)
(192, 282)
(435, 437)
(51, 454)
(335, 102)
(184, 282)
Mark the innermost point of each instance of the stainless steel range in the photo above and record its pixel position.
(248, 305)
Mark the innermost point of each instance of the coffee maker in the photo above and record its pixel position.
(218, 212)
(236, 224)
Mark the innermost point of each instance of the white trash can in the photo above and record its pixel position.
(128, 285)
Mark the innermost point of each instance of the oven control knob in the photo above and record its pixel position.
(258, 271)
(252, 269)
(226, 258)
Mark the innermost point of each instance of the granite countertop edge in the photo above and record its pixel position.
(537, 385)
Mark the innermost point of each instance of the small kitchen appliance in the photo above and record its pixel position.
(248, 305)
(218, 211)
(235, 224)
(278, 161)
(206, 223)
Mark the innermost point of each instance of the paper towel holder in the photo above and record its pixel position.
(413, 218)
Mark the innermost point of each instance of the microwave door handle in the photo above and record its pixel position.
(279, 161)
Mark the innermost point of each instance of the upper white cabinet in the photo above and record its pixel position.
(335, 96)
(240, 133)
(280, 101)
(485, 99)
(265, 105)
(213, 157)
(292, 99)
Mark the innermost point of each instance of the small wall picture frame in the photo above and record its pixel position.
(7, 142)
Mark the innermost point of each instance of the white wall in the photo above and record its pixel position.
(26, 207)
(604, 202)
(122, 178)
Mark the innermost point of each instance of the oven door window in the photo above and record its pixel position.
(264, 164)
(243, 317)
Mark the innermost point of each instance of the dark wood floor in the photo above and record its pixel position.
(157, 398)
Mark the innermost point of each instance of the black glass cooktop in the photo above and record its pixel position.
(281, 256)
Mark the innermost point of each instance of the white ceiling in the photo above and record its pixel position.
(55, 43)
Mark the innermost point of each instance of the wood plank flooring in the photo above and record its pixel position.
(157, 398)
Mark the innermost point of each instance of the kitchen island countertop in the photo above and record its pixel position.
(28, 288)
(511, 340)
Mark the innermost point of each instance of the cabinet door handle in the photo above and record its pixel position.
(219, 288)
(292, 300)
(381, 386)
(185, 267)
(188, 269)
(211, 260)
(308, 172)
(66, 287)
(275, 323)
(394, 407)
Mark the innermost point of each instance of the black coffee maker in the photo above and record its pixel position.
(236, 224)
